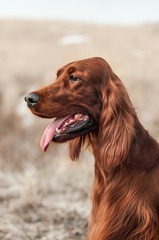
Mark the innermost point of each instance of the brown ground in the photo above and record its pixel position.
(44, 195)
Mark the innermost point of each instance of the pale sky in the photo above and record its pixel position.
(98, 11)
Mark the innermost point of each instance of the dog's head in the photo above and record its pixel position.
(85, 97)
(74, 100)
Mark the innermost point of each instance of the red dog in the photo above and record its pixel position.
(90, 103)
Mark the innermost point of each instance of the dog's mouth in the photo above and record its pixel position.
(63, 129)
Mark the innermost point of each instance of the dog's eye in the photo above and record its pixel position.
(73, 78)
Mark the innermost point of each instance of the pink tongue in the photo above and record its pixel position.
(50, 132)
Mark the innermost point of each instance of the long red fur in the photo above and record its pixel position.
(125, 195)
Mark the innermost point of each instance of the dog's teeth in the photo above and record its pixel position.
(57, 130)
(76, 116)
(71, 120)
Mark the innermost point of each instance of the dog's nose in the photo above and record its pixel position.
(31, 99)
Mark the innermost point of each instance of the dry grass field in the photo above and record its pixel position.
(45, 196)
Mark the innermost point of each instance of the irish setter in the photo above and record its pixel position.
(91, 104)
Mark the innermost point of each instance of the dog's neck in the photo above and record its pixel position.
(143, 152)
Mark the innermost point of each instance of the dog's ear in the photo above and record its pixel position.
(117, 123)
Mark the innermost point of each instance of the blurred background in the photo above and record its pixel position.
(45, 196)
